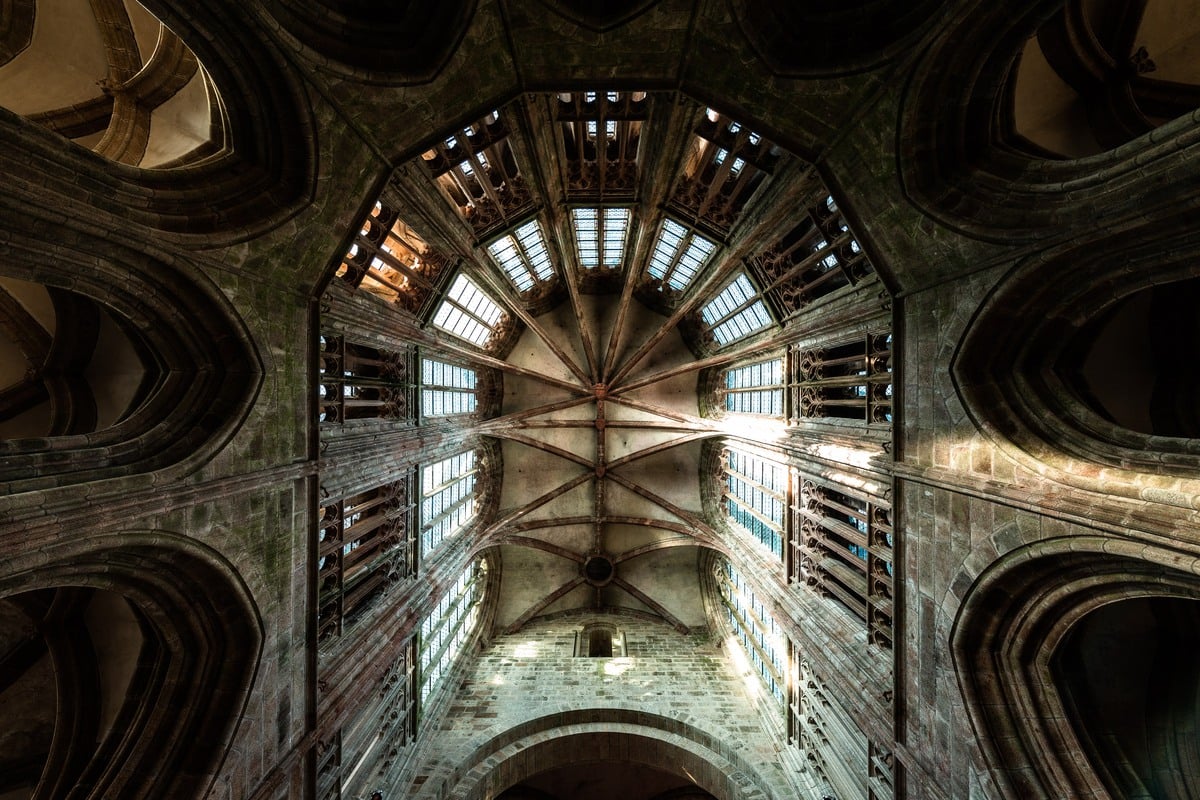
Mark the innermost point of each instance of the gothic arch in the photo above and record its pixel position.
(964, 169)
(200, 642)
(607, 734)
(1012, 367)
(255, 178)
(820, 39)
(1008, 634)
(392, 45)
(202, 369)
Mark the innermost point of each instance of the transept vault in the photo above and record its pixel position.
(547, 399)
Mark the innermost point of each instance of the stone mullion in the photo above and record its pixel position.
(421, 200)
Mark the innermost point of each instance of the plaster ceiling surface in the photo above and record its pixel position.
(636, 454)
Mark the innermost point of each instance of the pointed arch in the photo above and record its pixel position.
(202, 371)
(201, 640)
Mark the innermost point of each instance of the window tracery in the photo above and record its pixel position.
(841, 546)
(364, 746)
(358, 382)
(728, 163)
(600, 132)
(846, 380)
(475, 170)
(365, 544)
(817, 257)
(390, 259)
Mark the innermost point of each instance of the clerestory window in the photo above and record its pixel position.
(600, 234)
(447, 627)
(523, 256)
(757, 631)
(756, 496)
(679, 254)
(755, 388)
(736, 312)
(447, 499)
(468, 313)
(447, 389)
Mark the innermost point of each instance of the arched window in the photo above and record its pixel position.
(448, 499)
(112, 78)
(759, 635)
(756, 496)
(448, 626)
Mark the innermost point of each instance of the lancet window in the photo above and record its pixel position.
(755, 388)
(468, 313)
(447, 498)
(678, 255)
(600, 236)
(736, 312)
(447, 389)
(523, 256)
(359, 381)
(842, 548)
(850, 379)
(759, 635)
(756, 496)
(365, 544)
(448, 626)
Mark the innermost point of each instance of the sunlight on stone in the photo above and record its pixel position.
(526, 650)
(618, 667)
(741, 665)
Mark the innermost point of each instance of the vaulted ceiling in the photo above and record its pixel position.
(635, 242)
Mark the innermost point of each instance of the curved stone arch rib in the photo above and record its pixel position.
(644, 738)
(259, 174)
(211, 372)
(1005, 635)
(195, 677)
(957, 170)
(1008, 388)
(16, 27)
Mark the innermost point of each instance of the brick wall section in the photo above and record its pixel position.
(686, 680)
